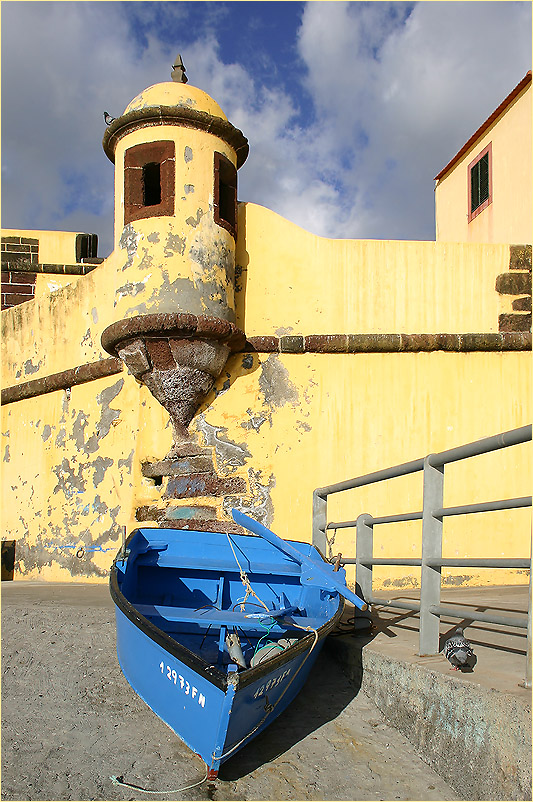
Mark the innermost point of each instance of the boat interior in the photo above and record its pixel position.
(244, 604)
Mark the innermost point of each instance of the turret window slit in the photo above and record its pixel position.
(151, 179)
(225, 194)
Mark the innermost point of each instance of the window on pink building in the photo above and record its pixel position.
(480, 182)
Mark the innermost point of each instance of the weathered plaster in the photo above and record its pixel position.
(255, 422)
(194, 221)
(129, 242)
(275, 383)
(258, 502)
(131, 289)
(174, 244)
(229, 455)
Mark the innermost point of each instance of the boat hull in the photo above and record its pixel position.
(215, 710)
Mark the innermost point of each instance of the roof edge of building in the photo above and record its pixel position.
(486, 125)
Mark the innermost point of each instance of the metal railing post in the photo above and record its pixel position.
(364, 550)
(431, 548)
(527, 681)
(320, 517)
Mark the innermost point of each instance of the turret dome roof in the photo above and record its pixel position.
(171, 93)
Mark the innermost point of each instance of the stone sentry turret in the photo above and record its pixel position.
(176, 158)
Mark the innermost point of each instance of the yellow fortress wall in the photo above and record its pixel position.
(358, 355)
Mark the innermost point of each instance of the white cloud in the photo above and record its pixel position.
(394, 95)
(415, 90)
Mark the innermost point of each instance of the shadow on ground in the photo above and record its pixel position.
(326, 693)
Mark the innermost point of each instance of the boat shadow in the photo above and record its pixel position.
(325, 694)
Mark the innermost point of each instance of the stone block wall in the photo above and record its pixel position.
(516, 285)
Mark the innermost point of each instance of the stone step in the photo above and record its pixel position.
(153, 513)
(181, 466)
(515, 322)
(203, 485)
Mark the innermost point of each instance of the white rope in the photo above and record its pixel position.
(120, 781)
(245, 581)
(250, 592)
(237, 745)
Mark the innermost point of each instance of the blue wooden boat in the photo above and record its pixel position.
(217, 633)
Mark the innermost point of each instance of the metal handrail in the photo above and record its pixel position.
(432, 516)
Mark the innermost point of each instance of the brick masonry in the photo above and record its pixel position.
(204, 526)
(20, 265)
(178, 467)
(203, 485)
(20, 257)
(510, 340)
(178, 514)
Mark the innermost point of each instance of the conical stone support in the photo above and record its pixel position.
(178, 357)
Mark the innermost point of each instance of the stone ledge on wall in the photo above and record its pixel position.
(312, 343)
(390, 343)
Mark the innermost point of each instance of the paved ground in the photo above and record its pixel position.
(70, 720)
(500, 650)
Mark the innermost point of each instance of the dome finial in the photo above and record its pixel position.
(178, 71)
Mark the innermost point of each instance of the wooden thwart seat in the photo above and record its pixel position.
(204, 618)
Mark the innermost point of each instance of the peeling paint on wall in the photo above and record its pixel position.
(256, 421)
(72, 534)
(147, 260)
(100, 465)
(275, 384)
(129, 241)
(259, 504)
(402, 582)
(194, 221)
(130, 288)
(30, 368)
(174, 244)
(228, 454)
(127, 462)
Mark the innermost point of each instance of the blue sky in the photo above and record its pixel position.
(351, 108)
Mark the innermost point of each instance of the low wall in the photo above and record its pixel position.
(477, 739)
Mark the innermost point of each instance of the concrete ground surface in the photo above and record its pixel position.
(500, 650)
(473, 728)
(70, 721)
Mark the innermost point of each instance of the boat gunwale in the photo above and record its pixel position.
(190, 659)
